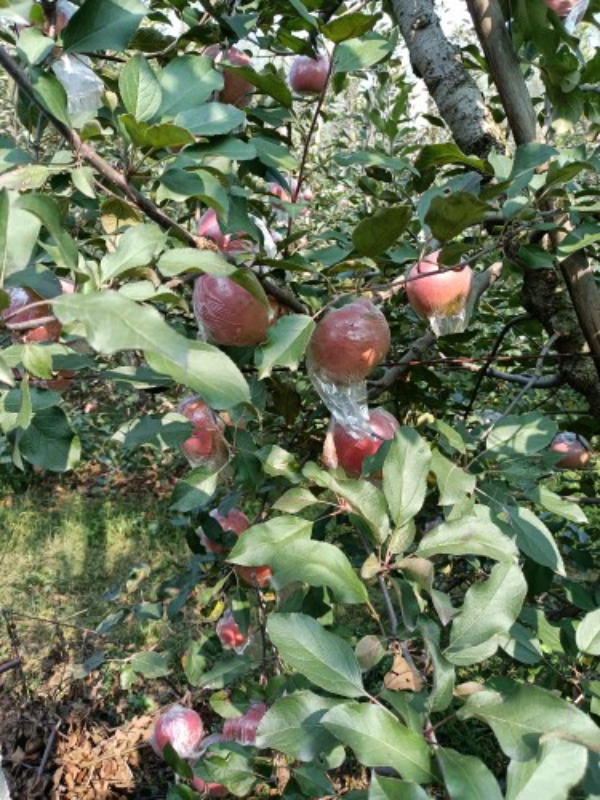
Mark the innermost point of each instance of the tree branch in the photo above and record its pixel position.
(500, 54)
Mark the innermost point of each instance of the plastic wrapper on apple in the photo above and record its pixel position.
(243, 729)
(206, 446)
(441, 295)
(182, 728)
(347, 403)
(575, 16)
(228, 314)
(348, 446)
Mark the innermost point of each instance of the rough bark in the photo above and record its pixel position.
(437, 61)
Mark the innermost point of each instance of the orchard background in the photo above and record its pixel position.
(410, 612)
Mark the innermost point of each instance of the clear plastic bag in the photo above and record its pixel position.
(230, 635)
(228, 314)
(575, 16)
(206, 446)
(347, 446)
(243, 729)
(441, 296)
(84, 89)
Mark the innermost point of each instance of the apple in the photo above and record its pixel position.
(206, 445)
(19, 298)
(229, 633)
(309, 75)
(575, 448)
(243, 729)
(182, 728)
(348, 342)
(228, 314)
(561, 7)
(235, 521)
(348, 447)
(236, 90)
(209, 789)
(208, 227)
(441, 294)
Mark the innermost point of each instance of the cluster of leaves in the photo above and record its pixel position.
(499, 592)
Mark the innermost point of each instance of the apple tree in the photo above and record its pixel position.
(374, 333)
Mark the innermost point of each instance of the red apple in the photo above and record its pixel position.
(206, 445)
(228, 314)
(243, 729)
(576, 451)
(208, 226)
(348, 447)
(442, 294)
(309, 75)
(561, 7)
(229, 633)
(348, 342)
(182, 728)
(235, 521)
(210, 789)
(19, 298)
(236, 90)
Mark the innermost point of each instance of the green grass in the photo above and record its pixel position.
(57, 558)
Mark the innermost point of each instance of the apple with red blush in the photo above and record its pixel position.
(561, 7)
(229, 314)
(439, 294)
(206, 444)
(574, 449)
(348, 446)
(229, 633)
(309, 75)
(236, 91)
(30, 325)
(180, 727)
(349, 342)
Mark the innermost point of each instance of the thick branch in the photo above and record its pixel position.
(504, 68)
(450, 84)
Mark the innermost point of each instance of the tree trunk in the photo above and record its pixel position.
(438, 62)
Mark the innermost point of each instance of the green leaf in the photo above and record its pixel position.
(211, 119)
(557, 505)
(474, 535)
(49, 442)
(274, 154)
(588, 633)
(444, 674)
(284, 544)
(159, 430)
(556, 769)
(521, 644)
(285, 345)
(582, 236)
(380, 740)
(83, 180)
(47, 211)
(165, 134)
(51, 93)
(349, 26)
(139, 88)
(19, 231)
(523, 434)
(103, 25)
(151, 664)
(186, 83)
(405, 473)
(224, 673)
(466, 777)
(449, 215)
(229, 764)
(361, 53)
(382, 788)
(531, 155)
(523, 717)
(295, 500)
(266, 82)
(325, 659)
(453, 482)
(533, 537)
(180, 260)
(34, 46)
(114, 323)
(365, 498)
(439, 155)
(137, 247)
(293, 726)
(489, 611)
(375, 234)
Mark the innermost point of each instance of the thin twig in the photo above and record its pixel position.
(8, 665)
(48, 748)
(55, 623)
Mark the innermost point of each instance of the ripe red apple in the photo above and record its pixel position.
(243, 729)
(442, 294)
(228, 314)
(236, 90)
(19, 298)
(576, 451)
(561, 7)
(309, 75)
(182, 728)
(229, 633)
(208, 226)
(206, 445)
(348, 448)
(235, 521)
(348, 342)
